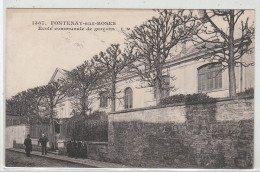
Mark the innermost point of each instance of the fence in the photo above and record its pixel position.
(94, 128)
(37, 130)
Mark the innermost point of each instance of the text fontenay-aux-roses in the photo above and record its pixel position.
(75, 25)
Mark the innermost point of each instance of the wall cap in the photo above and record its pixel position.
(24, 125)
(97, 143)
(88, 142)
(181, 104)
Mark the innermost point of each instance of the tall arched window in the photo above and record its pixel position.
(103, 99)
(128, 98)
(210, 77)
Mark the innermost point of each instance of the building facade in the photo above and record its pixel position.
(186, 73)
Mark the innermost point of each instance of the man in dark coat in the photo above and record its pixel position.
(43, 140)
(28, 145)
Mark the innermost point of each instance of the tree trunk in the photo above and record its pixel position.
(53, 145)
(84, 109)
(158, 92)
(38, 115)
(113, 94)
(53, 132)
(83, 106)
(231, 63)
(158, 85)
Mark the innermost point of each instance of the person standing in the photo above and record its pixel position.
(43, 140)
(28, 145)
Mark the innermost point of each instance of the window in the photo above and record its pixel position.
(57, 127)
(103, 99)
(209, 77)
(61, 113)
(165, 87)
(128, 98)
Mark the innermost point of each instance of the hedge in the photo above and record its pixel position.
(187, 99)
(249, 92)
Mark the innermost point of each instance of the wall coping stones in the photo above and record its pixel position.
(180, 104)
(19, 125)
(97, 143)
(88, 142)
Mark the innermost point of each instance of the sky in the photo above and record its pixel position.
(32, 55)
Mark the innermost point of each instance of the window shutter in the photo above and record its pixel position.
(199, 82)
(128, 98)
(209, 77)
(131, 101)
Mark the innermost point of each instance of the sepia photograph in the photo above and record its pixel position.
(129, 88)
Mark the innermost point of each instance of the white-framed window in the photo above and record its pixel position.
(128, 98)
(210, 77)
(63, 112)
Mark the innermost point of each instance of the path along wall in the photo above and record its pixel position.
(213, 135)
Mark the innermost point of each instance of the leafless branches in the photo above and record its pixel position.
(219, 34)
(83, 81)
(113, 61)
(153, 41)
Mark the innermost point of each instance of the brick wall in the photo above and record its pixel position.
(215, 135)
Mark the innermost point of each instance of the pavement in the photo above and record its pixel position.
(87, 162)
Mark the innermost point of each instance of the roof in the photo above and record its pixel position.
(58, 70)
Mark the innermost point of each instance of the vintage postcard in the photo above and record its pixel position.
(130, 88)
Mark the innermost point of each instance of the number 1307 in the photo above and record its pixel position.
(38, 23)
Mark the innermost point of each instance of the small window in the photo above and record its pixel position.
(128, 98)
(57, 127)
(103, 99)
(210, 77)
(165, 87)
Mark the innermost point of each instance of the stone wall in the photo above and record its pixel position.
(97, 151)
(213, 135)
(90, 150)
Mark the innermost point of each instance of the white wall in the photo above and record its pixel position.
(17, 133)
(186, 82)
(248, 72)
(64, 109)
(187, 79)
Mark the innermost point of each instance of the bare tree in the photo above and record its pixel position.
(153, 42)
(225, 40)
(36, 96)
(113, 61)
(21, 105)
(26, 104)
(12, 105)
(54, 93)
(83, 81)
